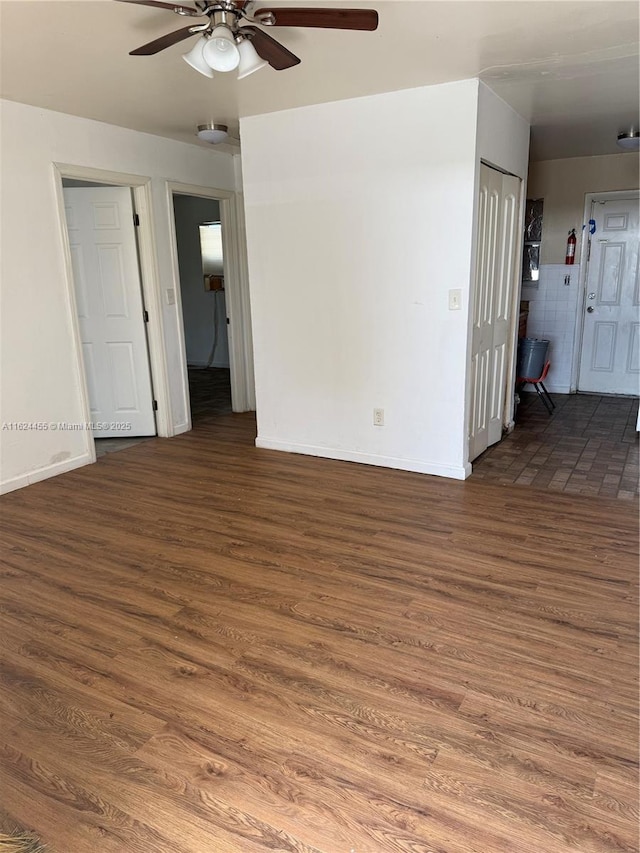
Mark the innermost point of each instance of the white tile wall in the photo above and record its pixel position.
(553, 307)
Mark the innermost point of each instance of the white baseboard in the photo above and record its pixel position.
(417, 465)
(44, 473)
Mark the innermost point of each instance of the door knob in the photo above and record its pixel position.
(590, 309)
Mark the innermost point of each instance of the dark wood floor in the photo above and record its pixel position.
(210, 648)
(209, 392)
(588, 446)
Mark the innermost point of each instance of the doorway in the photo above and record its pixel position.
(210, 266)
(160, 285)
(609, 353)
(203, 287)
(110, 312)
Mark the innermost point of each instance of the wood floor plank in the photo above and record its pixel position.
(211, 648)
(65, 824)
(160, 810)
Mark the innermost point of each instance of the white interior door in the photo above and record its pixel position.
(610, 355)
(110, 310)
(498, 244)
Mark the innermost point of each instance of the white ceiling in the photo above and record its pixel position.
(571, 68)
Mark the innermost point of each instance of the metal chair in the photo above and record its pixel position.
(538, 384)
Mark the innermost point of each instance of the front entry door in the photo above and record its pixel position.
(610, 356)
(110, 310)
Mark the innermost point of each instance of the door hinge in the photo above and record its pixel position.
(155, 405)
(145, 315)
(588, 250)
(227, 321)
(136, 219)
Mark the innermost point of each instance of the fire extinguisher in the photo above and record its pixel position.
(571, 247)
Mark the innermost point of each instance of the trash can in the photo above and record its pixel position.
(532, 355)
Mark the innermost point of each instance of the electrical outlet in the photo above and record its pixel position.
(455, 300)
(378, 417)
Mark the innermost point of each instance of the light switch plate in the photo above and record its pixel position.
(455, 300)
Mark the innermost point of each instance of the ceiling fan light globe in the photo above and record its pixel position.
(250, 61)
(220, 51)
(195, 59)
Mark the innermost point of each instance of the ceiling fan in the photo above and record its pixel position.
(230, 39)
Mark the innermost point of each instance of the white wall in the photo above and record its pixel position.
(503, 135)
(40, 382)
(359, 221)
(553, 313)
(199, 307)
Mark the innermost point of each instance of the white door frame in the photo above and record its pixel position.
(101, 327)
(589, 198)
(141, 187)
(236, 293)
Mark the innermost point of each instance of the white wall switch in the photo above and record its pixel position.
(171, 296)
(455, 300)
(378, 417)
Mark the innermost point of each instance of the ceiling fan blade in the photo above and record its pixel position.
(158, 4)
(276, 54)
(336, 19)
(159, 44)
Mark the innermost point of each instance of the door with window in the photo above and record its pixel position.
(610, 354)
(110, 310)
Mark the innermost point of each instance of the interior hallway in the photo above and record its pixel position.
(210, 392)
(589, 446)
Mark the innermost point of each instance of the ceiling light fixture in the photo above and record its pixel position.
(232, 36)
(195, 59)
(220, 51)
(629, 140)
(250, 60)
(213, 133)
